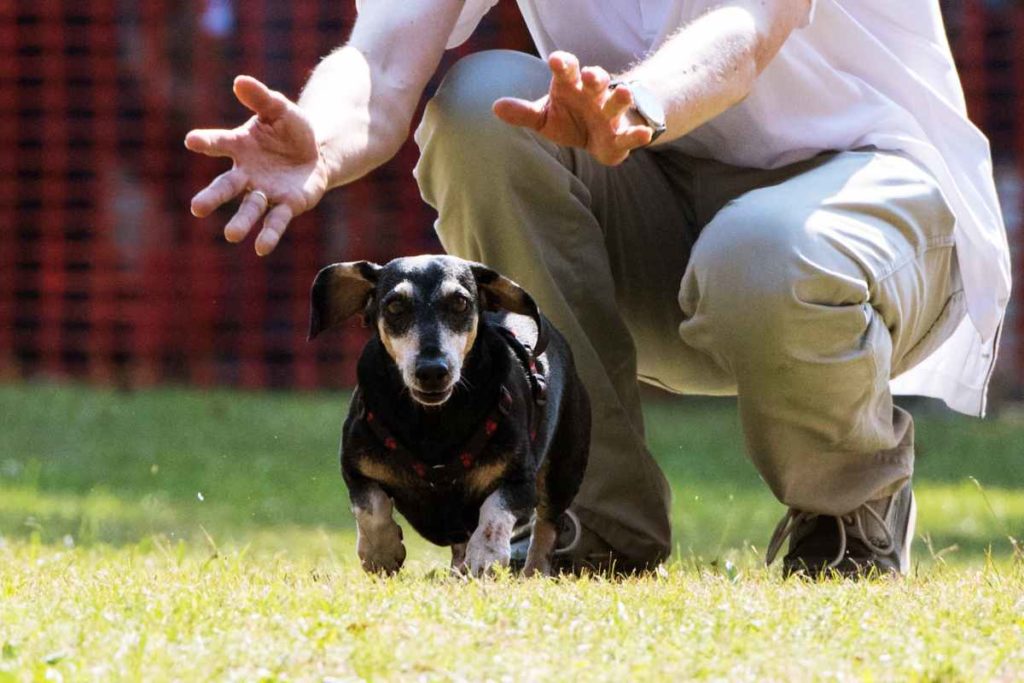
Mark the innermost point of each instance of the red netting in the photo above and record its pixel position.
(103, 273)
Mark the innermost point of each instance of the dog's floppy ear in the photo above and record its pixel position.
(502, 293)
(340, 291)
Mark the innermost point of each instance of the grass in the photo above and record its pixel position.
(178, 535)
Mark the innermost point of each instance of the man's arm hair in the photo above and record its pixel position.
(361, 98)
(712, 63)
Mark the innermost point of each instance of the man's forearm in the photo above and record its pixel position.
(712, 63)
(356, 131)
(362, 97)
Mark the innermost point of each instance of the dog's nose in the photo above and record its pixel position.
(432, 375)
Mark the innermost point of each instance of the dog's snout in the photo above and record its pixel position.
(432, 374)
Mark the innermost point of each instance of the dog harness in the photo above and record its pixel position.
(446, 473)
(528, 359)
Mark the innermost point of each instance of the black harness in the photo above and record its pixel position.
(447, 473)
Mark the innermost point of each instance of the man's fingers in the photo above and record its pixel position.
(564, 67)
(223, 188)
(521, 112)
(618, 102)
(213, 142)
(267, 104)
(595, 79)
(274, 226)
(251, 209)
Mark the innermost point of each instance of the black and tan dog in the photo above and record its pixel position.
(468, 412)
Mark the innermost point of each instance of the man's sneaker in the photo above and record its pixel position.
(577, 550)
(874, 539)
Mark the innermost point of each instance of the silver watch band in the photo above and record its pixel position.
(646, 105)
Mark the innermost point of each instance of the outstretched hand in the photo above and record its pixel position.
(276, 159)
(580, 111)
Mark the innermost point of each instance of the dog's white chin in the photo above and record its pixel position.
(431, 399)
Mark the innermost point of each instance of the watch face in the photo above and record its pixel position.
(648, 105)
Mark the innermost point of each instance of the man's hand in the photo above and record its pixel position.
(274, 152)
(580, 111)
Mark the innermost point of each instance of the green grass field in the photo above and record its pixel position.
(178, 535)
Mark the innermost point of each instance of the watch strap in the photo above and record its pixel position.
(654, 120)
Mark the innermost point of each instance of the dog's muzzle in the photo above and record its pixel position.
(433, 382)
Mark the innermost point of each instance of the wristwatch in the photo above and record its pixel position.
(646, 105)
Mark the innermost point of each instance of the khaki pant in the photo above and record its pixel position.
(801, 289)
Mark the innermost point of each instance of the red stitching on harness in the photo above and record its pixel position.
(490, 427)
(390, 443)
(466, 458)
(420, 469)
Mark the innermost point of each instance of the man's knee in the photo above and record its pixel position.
(469, 159)
(460, 111)
(764, 284)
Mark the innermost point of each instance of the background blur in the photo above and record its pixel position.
(104, 274)
(108, 283)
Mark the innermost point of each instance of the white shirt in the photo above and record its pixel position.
(859, 73)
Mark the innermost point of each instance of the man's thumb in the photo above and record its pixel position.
(520, 112)
(266, 103)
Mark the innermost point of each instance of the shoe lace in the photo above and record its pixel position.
(794, 518)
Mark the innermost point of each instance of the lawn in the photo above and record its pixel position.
(179, 535)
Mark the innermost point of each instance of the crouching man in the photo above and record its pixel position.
(778, 199)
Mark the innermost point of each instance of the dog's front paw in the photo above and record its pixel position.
(488, 546)
(381, 550)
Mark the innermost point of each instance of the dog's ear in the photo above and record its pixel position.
(499, 292)
(340, 291)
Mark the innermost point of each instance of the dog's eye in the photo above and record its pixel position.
(459, 303)
(395, 307)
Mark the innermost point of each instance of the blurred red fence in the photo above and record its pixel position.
(105, 276)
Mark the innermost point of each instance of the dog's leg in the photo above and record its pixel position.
(560, 477)
(378, 536)
(459, 557)
(490, 543)
(542, 548)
